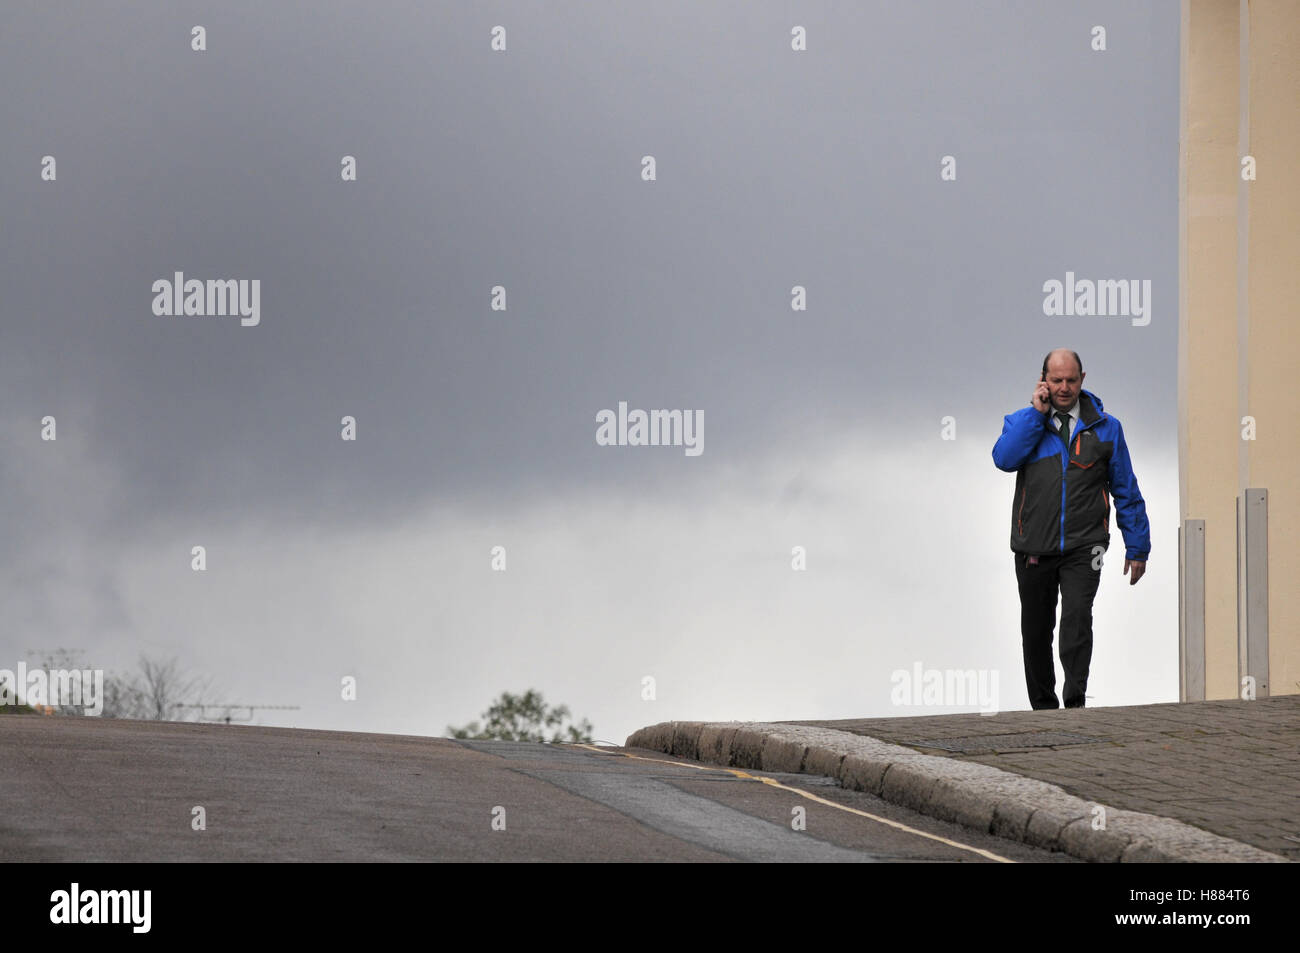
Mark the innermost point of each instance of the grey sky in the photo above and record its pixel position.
(476, 427)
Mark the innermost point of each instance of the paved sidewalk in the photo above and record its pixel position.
(1229, 768)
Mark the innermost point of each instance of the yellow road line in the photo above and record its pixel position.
(810, 796)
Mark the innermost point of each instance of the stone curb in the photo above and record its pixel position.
(970, 793)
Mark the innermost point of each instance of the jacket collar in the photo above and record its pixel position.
(1088, 412)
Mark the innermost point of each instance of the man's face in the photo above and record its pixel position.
(1064, 381)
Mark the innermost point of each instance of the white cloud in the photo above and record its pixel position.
(908, 561)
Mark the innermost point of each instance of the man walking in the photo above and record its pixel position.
(1070, 458)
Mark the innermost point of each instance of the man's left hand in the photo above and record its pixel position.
(1139, 567)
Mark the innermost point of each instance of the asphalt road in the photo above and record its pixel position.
(84, 789)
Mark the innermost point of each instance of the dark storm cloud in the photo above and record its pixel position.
(522, 169)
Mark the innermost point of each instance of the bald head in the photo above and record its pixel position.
(1059, 356)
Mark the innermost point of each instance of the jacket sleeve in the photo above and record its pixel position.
(1021, 432)
(1130, 508)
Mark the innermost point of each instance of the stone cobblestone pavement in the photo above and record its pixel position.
(1228, 767)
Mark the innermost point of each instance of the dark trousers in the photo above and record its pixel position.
(1073, 575)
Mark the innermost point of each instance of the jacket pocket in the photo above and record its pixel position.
(1085, 450)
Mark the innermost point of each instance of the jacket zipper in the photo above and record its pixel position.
(1065, 465)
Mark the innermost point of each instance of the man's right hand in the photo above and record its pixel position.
(1041, 396)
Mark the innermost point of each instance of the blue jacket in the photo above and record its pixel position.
(1062, 498)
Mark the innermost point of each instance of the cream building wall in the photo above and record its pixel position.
(1239, 276)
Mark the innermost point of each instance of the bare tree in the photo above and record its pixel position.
(159, 691)
(162, 688)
